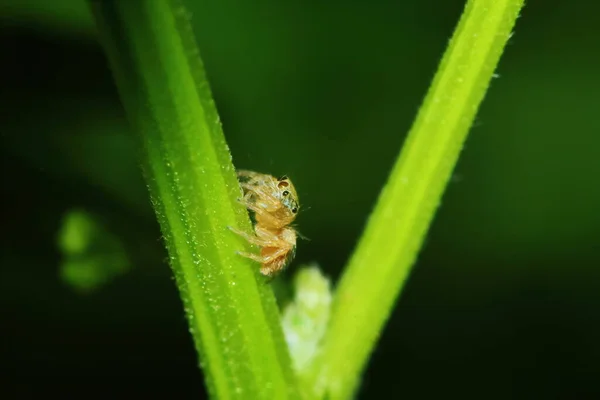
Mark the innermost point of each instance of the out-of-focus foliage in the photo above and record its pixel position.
(69, 17)
(92, 256)
(506, 290)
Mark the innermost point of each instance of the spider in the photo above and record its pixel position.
(275, 205)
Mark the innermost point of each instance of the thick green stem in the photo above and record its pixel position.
(395, 231)
(232, 313)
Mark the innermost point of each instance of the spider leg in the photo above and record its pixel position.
(249, 186)
(263, 259)
(260, 211)
(257, 189)
(248, 198)
(250, 238)
(252, 190)
(255, 257)
(275, 255)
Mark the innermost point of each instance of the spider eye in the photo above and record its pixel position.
(283, 178)
(285, 193)
(295, 210)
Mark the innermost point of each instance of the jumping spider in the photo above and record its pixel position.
(275, 206)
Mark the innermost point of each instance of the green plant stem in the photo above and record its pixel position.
(232, 313)
(396, 229)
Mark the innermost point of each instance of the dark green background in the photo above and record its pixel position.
(503, 302)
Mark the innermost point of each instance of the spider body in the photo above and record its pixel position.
(274, 202)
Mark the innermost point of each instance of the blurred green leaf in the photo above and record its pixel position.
(64, 16)
(91, 255)
(86, 142)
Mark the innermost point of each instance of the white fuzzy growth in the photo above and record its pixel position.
(305, 319)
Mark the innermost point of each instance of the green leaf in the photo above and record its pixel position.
(231, 310)
(396, 229)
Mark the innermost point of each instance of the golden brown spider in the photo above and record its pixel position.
(275, 205)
